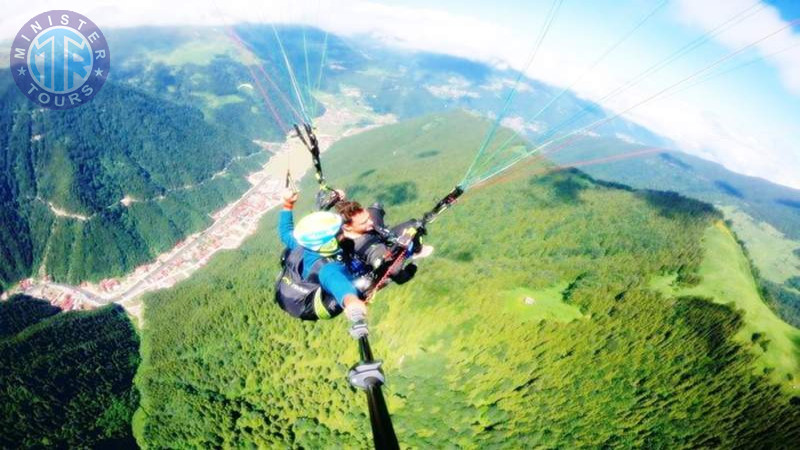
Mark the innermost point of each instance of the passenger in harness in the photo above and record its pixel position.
(314, 283)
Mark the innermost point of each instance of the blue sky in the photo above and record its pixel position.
(745, 120)
(789, 9)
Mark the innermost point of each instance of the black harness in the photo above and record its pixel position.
(303, 298)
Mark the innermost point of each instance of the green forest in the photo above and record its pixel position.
(748, 200)
(84, 161)
(608, 360)
(67, 379)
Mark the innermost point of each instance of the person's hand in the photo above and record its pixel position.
(355, 309)
(340, 193)
(289, 197)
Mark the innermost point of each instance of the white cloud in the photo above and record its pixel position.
(706, 15)
(741, 146)
(752, 144)
(456, 87)
(448, 92)
(500, 84)
(522, 125)
(626, 138)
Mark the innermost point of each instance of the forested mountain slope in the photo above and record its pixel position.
(600, 357)
(765, 216)
(67, 379)
(226, 72)
(692, 176)
(96, 190)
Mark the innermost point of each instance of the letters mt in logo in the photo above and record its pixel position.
(60, 59)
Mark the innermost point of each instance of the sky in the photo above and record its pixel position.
(745, 118)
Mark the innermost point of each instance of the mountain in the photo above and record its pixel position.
(94, 191)
(692, 176)
(644, 329)
(225, 72)
(765, 216)
(67, 379)
(410, 84)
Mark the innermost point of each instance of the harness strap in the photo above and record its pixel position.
(319, 308)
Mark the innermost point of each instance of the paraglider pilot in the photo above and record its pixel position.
(314, 283)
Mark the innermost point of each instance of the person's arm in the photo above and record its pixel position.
(286, 221)
(333, 279)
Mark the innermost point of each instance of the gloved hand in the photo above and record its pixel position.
(327, 198)
(356, 312)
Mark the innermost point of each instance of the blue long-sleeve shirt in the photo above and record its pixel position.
(333, 276)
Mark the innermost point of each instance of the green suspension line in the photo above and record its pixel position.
(292, 78)
(550, 18)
